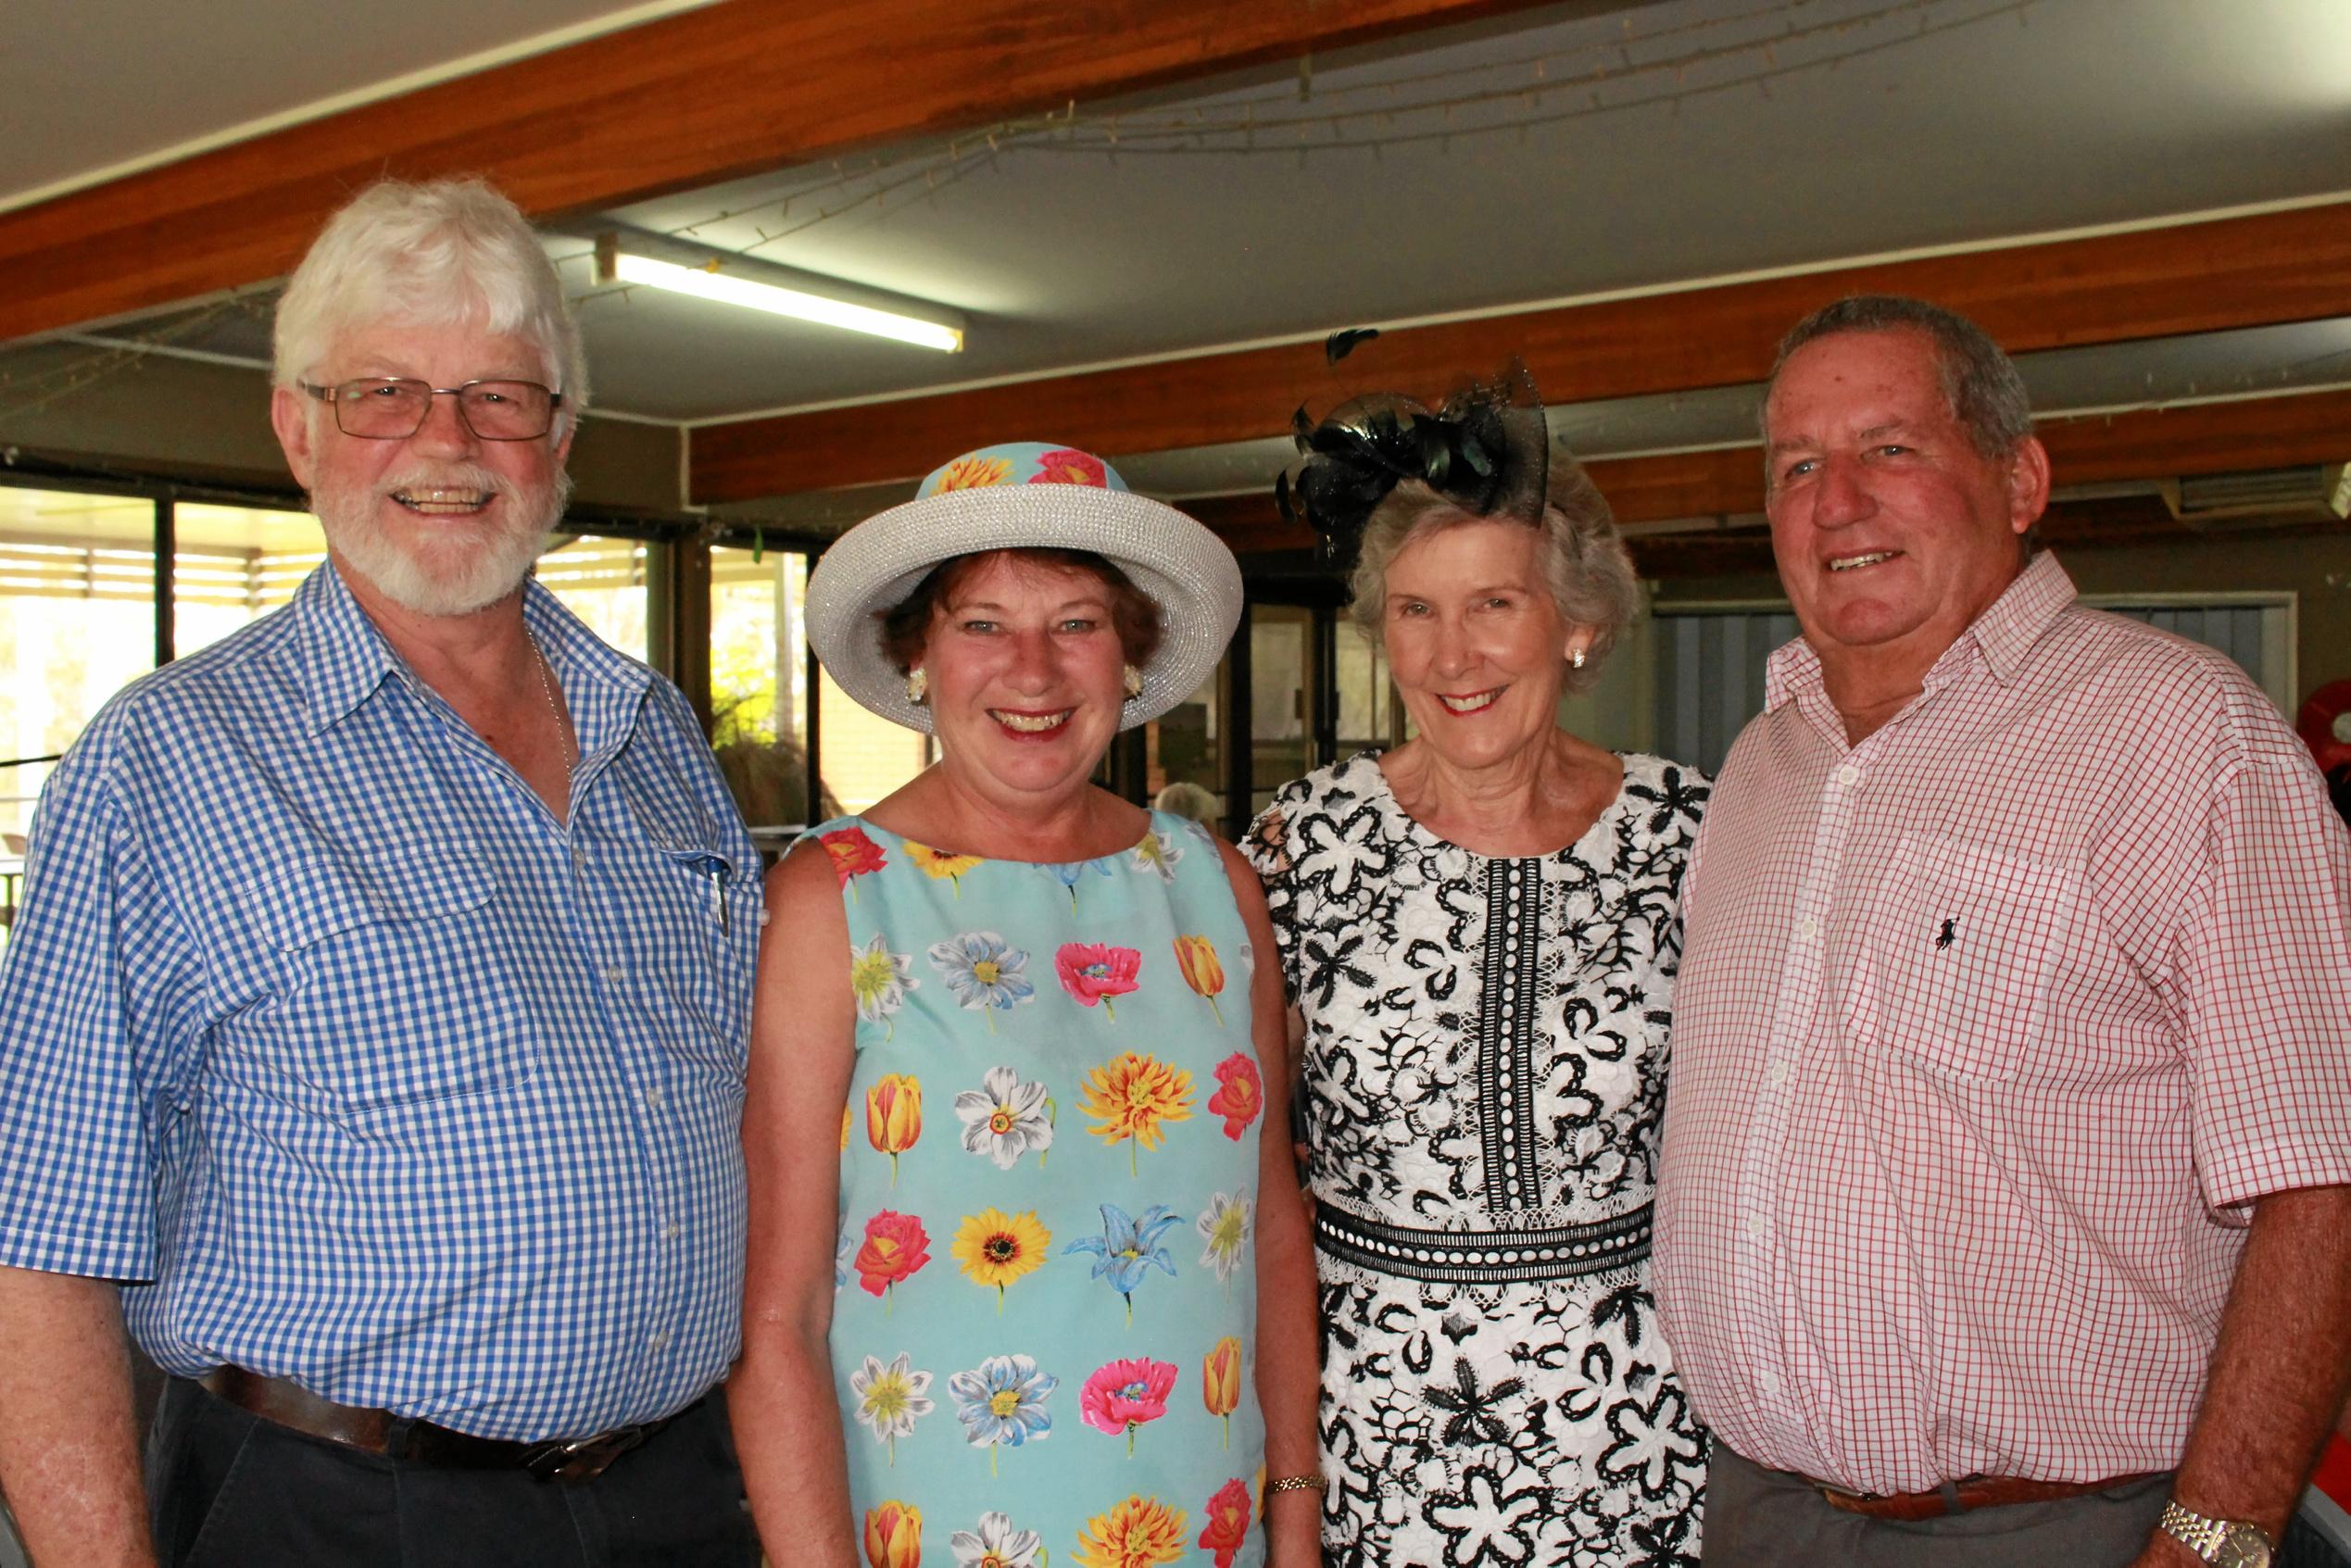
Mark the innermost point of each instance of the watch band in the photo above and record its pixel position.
(2208, 1537)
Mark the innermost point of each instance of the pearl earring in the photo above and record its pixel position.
(1576, 660)
(918, 686)
(1132, 679)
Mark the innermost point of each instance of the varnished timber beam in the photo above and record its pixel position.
(2144, 444)
(2290, 266)
(692, 99)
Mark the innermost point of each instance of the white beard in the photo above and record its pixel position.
(457, 565)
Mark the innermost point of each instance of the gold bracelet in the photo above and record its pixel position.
(1295, 1484)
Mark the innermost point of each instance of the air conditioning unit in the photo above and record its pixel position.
(2261, 497)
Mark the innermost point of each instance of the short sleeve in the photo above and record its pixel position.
(2264, 981)
(1267, 846)
(95, 972)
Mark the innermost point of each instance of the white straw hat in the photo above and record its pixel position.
(1024, 495)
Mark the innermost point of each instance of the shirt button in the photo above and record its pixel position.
(672, 1231)
(1848, 776)
(1808, 928)
(579, 858)
(653, 1098)
(612, 974)
(661, 1339)
(1755, 1227)
(1767, 1384)
(1780, 1071)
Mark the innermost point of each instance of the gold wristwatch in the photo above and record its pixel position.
(2226, 1543)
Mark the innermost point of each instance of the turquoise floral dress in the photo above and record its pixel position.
(1044, 1324)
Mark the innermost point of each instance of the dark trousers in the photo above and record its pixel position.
(1758, 1518)
(228, 1487)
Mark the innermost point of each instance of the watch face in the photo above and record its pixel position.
(2244, 1547)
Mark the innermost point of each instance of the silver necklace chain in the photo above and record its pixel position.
(546, 689)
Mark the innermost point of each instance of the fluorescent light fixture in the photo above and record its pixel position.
(710, 281)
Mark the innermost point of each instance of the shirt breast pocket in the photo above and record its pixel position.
(388, 984)
(702, 907)
(1961, 944)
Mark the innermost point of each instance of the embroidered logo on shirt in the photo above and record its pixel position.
(1949, 934)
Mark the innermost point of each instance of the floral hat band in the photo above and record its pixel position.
(1020, 462)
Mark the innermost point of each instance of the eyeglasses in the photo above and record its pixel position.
(393, 407)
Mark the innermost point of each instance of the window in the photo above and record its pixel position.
(232, 565)
(759, 684)
(601, 580)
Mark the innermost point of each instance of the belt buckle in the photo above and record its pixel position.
(580, 1459)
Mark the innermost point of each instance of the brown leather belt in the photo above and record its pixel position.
(421, 1442)
(1965, 1497)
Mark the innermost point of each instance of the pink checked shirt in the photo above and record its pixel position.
(1990, 1029)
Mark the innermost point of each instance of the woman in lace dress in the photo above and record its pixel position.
(1479, 928)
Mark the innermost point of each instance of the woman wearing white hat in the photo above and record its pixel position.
(1018, 1254)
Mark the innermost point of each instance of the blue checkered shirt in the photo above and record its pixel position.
(318, 1031)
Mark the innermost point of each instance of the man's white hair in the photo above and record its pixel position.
(445, 251)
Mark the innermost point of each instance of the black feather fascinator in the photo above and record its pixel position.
(1487, 450)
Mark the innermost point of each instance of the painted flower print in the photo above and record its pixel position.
(1092, 973)
(1068, 872)
(1139, 1533)
(891, 1398)
(996, 1248)
(1001, 1403)
(1069, 466)
(895, 1247)
(1128, 1249)
(985, 973)
(1220, 1382)
(1132, 1097)
(975, 472)
(1005, 1117)
(1195, 959)
(997, 1545)
(894, 1116)
(854, 854)
(940, 863)
(880, 980)
(1223, 1227)
(1125, 1395)
(1158, 853)
(1240, 1093)
(893, 1535)
(1227, 1529)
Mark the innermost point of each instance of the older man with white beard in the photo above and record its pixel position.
(372, 1037)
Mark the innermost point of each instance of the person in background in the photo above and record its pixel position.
(2006, 1208)
(1025, 1281)
(1480, 931)
(1193, 802)
(371, 1039)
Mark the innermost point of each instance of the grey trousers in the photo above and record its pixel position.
(1758, 1518)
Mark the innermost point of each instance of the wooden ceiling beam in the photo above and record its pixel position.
(2140, 443)
(2290, 266)
(689, 100)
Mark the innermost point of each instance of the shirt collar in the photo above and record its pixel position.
(345, 658)
(2001, 634)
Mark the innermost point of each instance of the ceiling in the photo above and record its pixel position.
(1578, 151)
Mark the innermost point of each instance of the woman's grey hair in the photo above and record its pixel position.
(1979, 382)
(1582, 557)
(429, 255)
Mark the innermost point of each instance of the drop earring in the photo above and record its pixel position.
(918, 686)
(1132, 679)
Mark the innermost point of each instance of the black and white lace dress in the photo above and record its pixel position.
(1485, 1070)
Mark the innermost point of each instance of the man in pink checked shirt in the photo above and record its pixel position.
(2005, 1215)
